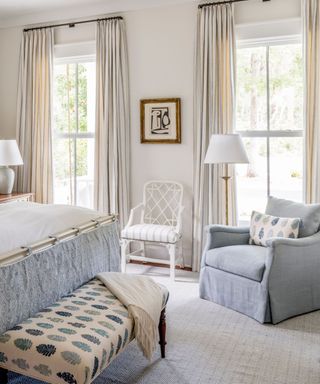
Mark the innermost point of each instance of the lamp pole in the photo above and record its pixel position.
(226, 178)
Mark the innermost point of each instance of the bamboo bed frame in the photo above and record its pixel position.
(20, 253)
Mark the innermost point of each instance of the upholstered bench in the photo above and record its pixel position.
(72, 341)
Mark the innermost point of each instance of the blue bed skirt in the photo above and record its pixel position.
(43, 278)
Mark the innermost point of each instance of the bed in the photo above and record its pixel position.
(48, 251)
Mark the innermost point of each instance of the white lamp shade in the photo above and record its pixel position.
(226, 149)
(9, 153)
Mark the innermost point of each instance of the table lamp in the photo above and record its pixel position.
(9, 155)
(226, 149)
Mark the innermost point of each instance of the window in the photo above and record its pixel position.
(73, 136)
(269, 118)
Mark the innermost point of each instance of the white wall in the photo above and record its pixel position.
(258, 20)
(160, 43)
(257, 11)
(161, 65)
(9, 61)
(161, 49)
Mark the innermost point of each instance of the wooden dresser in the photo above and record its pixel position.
(16, 197)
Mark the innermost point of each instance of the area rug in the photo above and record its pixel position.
(208, 343)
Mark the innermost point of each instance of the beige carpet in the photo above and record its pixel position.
(211, 344)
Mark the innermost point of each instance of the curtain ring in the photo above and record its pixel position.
(56, 239)
(78, 231)
(28, 251)
(97, 223)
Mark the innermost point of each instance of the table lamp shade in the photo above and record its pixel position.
(9, 153)
(226, 149)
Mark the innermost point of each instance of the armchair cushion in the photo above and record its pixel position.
(308, 213)
(151, 232)
(243, 260)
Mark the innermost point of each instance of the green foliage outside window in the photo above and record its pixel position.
(71, 84)
(73, 132)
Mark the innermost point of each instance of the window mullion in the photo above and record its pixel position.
(273, 133)
(268, 118)
(84, 135)
(77, 130)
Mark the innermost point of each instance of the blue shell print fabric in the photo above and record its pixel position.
(264, 227)
(71, 341)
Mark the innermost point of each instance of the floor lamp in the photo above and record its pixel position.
(226, 149)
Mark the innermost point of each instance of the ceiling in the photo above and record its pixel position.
(22, 12)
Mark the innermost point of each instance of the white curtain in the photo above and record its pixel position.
(112, 120)
(34, 114)
(214, 111)
(311, 9)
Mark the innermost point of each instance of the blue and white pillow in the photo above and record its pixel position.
(264, 227)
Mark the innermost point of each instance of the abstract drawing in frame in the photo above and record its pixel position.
(160, 121)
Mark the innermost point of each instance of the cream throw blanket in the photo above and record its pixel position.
(143, 299)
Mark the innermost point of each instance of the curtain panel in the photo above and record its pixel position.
(311, 21)
(214, 113)
(34, 114)
(111, 192)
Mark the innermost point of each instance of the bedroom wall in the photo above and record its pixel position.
(160, 45)
(161, 65)
(160, 42)
(9, 61)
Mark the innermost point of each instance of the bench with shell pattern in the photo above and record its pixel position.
(71, 341)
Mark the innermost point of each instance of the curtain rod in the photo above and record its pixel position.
(222, 2)
(72, 24)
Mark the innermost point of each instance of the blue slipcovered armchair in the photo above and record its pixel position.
(269, 284)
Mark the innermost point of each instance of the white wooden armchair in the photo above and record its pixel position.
(156, 220)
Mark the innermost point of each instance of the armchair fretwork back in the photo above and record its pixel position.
(162, 202)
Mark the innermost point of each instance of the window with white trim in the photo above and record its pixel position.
(270, 120)
(73, 132)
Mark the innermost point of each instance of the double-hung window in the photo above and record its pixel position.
(73, 133)
(270, 120)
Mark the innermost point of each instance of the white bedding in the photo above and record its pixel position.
(24, 223)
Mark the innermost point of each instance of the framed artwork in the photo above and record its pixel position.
(160, 121)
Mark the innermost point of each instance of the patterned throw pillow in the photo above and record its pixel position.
(263, 227)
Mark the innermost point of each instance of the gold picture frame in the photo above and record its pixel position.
(160, 121)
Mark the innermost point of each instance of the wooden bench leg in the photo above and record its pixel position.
(3, 376)
(162, 333)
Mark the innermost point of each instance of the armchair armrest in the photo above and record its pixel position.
(133, 214)
(293, 259)
(222, 236)
(277, 242)
(293, 266)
